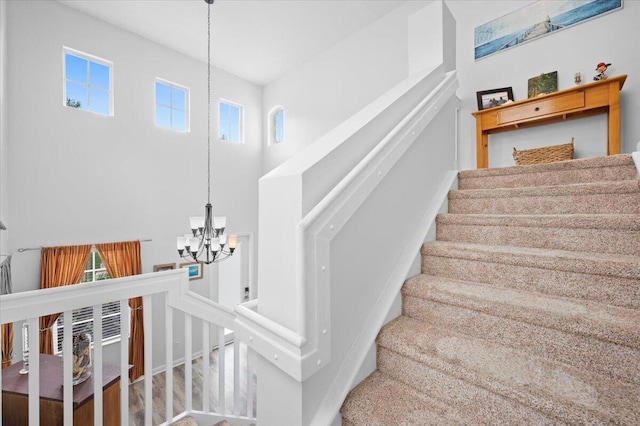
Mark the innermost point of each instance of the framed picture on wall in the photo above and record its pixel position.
(494, 97)
(535, 20)
(164, 267)
(195, 269)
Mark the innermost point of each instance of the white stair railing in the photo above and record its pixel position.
(162, 290)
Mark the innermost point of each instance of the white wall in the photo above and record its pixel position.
(607, 38)
(326, 90)
(82, 178)
(4, 174)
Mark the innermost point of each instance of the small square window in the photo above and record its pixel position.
(172, 103)
(87, 83)
(230, 121)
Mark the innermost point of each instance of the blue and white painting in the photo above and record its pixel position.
(535, 20)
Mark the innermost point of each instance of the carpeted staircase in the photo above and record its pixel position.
(527, 310)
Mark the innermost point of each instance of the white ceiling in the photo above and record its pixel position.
(258, 40)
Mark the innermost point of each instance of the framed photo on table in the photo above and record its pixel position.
(494, 97)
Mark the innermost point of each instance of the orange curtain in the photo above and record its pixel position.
(59, 266)
(123, 260)
(7, 344)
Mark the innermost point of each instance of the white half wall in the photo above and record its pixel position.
(82, 178)
(576, 49)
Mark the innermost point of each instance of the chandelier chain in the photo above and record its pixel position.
(209, 103)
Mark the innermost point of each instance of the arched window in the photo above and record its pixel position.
(276, 126)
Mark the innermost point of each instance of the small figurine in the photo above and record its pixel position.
(577, 78)
(601, 68)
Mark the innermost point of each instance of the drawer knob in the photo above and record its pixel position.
(537, 109)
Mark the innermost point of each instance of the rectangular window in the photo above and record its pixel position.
(83, 318)
(87, 83)
(230, 122)
(172, 102)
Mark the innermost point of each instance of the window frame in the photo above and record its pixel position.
(58, 326)
(89, 58)
(187, 106)
(272, 126)
(240, 118)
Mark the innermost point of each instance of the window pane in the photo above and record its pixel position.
(224, 121)
(98, 260)
(234, 116)
(76, 96)
(102, 275)
(163, 116)
(75, 68)
(163, 94)
(90, 260)
(179, 120)
(178, 99)
(99, 75)
(87, 277)
(234, 134)
(99, 101)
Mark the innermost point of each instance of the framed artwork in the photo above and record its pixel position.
(493, 98)
(164, 267)
(542, 84)
(194, 268)
(535, 20)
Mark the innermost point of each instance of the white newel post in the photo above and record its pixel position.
(280, 212)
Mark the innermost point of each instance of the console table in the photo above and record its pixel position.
(591, 98)
(15, 395)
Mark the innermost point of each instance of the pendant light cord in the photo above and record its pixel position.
(209, 104)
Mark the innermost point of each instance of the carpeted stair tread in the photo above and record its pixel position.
(380, 400)
(616, 265)
(597, 233)
(618, 197)
(615, 361)
(608, 323)
(573, 395)
(609, 279)
(615, 167)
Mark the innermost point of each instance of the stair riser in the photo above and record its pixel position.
(586, 240)
(607, 359)
(565, 177)
(625, 203)
(443, 384)
(612, 290)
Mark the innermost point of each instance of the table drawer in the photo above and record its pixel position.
(557, 104)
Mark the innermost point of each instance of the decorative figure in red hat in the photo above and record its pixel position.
(601, 68)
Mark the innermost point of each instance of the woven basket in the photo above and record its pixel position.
(547, 154)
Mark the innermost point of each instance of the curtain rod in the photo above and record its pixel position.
(20, 250)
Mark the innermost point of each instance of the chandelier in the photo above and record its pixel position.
(207, 242)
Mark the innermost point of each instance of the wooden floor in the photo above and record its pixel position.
(136, 390)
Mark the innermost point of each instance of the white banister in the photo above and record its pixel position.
(188, 365)
(147, 310)
(236, 377)
(34, 371)
(221, 372)
(125, 321)
(206, 378)
(168, 360)
(173, 286)
(67, 368)
(97, 361)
